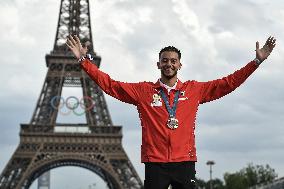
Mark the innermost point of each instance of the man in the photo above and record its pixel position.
(167, 110)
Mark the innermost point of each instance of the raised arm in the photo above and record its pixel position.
(215, 89)
(126, 92)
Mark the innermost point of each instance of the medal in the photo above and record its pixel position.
(172, 122)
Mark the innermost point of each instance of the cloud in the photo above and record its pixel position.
(215, 38)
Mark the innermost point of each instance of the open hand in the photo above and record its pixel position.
(264, 52)
(75, 46)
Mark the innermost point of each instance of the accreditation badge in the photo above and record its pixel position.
(157, 100)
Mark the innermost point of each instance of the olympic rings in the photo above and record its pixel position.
(70, 106)
(90, 101)
(53, 104)
(86, 103)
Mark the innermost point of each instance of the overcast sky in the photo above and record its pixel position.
(215, 38)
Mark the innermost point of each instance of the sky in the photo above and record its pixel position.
(215, 38)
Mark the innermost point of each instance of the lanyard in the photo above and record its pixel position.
(171, 111)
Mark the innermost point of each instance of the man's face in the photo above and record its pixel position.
(169, 64)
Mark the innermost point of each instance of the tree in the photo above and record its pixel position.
(235, 181)
(216, 183)
(249, 176)
(259, 174)
(200, 183)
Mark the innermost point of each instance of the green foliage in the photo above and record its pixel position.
(216, 184)
(235, 181)
(200, 183)
(249, 176)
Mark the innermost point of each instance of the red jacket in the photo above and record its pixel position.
(159, 143)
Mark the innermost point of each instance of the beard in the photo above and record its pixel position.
(170, 75)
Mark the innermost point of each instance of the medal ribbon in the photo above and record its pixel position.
(171, 111)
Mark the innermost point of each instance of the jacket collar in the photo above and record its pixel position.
(178, 87)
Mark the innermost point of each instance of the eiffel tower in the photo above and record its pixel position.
(46, 144)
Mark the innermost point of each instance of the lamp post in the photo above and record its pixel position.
(210, 163)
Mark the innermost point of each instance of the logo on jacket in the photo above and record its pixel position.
(182, 96)
(157, 100)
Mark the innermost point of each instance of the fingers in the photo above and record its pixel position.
(257, 45)
(77, 40)
(270, 43)
(268, 40)
(71, 42)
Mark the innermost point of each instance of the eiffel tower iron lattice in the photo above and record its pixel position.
(46, 144)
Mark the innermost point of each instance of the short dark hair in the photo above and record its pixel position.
(170, 48)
